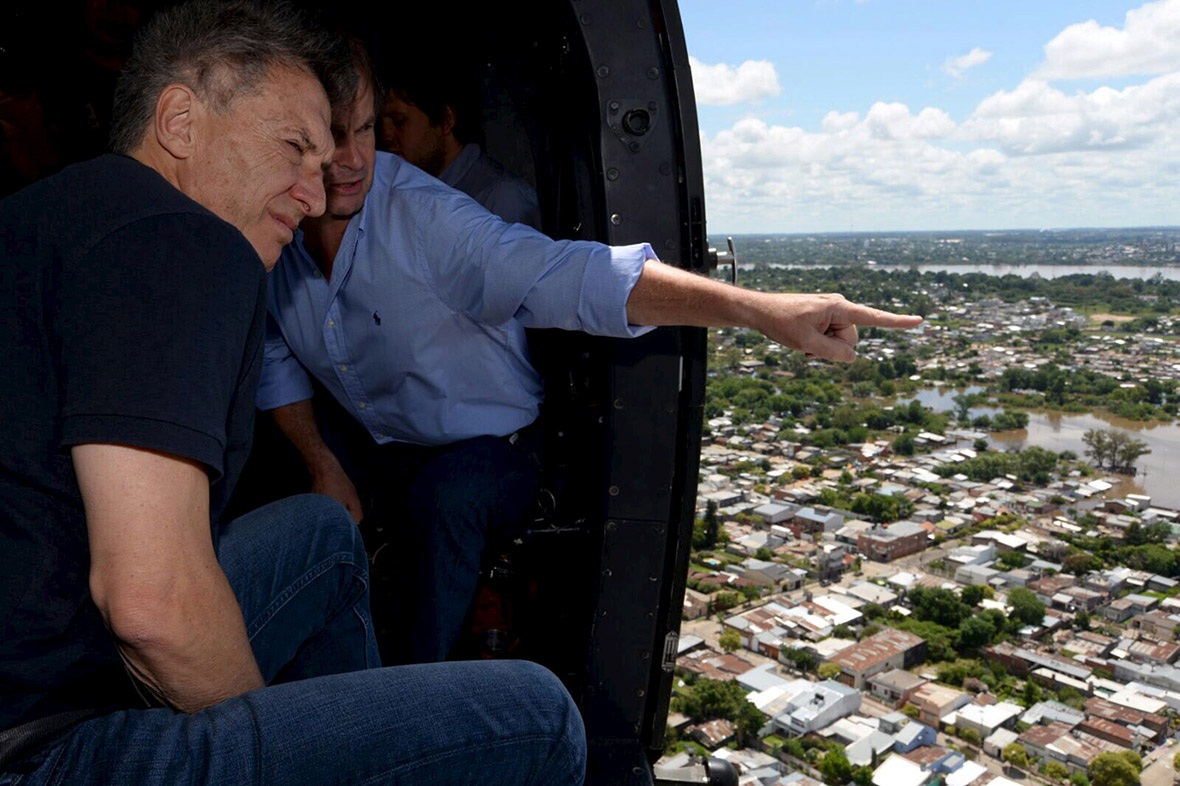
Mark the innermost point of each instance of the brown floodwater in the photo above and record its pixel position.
(1060, 431)
(1159, 471)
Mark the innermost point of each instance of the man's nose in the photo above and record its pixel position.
(309, 192)
(348, 155)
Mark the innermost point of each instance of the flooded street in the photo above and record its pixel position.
(1057, 431)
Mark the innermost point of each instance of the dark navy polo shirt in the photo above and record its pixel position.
(129, 314)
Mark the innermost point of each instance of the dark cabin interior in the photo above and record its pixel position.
(589, 101)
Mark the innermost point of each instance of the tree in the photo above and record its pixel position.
(1113, 769)
(730, 640)
(972, 594)
(873, 611)
(975, 632)
(1081, 620)
(749, 721)
(1025, 606)
(1016, 755)
(843, 632)
(835, 767)
(1013, 560)
(1080, 563)
(910, 711)
(935, 604)
(903, 444)
(970, 736)
(803, 660)
(1114, 449)
(712, 527)
(829, 671)
(1032, 693)
(1079, 779)
(724, 601)
(1056, 770)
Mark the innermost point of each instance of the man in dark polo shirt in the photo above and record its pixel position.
(142, 639)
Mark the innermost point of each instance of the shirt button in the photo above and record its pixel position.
(344, 367)
(364, 405)
(380, 436)
(318, 274)
(331, 323)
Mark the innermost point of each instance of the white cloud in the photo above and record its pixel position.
(956, 66)
(722, 84)
(1037, 118)
(1147, 43)
(840, 121)
(1031, 155)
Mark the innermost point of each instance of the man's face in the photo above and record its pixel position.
(260, 164)
(407, 131)
(350, 176)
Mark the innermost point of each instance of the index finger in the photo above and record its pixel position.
(857, 314)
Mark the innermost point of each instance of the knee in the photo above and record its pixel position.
(325, 526)
(559, 719)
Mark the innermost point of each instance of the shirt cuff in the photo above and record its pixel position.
(282, 383)
(602, 307)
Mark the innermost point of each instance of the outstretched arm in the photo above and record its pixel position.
(820, 325)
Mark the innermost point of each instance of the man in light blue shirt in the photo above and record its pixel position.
(407, 301)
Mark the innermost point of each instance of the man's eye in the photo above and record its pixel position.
(298, 147)
(367, 127)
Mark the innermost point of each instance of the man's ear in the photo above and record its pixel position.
(174, 125)
(449, 119)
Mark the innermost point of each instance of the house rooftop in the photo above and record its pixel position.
(899, 679)
(876, 649)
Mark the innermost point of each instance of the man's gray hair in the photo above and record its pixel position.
(221, 49)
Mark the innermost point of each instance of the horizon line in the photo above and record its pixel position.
(1149, 227)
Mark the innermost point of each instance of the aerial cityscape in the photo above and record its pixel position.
(954, 560)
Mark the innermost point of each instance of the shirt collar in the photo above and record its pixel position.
(462, 164)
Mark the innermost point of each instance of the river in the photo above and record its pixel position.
(1058, 431)
(1044, 271)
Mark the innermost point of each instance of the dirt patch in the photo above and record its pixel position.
(1100, 318)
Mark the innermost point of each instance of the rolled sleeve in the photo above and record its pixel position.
(607, 281)
(284, 380)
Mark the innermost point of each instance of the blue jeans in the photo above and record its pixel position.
(458, 497)
(330, 714)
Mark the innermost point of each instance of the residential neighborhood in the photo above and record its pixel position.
(912, 605)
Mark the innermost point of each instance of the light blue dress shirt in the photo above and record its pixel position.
(494, 187)
(420, 331)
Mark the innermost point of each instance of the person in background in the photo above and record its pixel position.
(428, 119)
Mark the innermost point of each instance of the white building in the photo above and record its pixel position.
(821, 705)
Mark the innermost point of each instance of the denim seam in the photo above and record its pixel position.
(365, 623)
(258, 767)
(439, 756)
(296, 586)
(56, 775)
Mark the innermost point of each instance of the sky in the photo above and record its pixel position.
(896, 115)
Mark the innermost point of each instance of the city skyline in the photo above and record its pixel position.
(914, 115)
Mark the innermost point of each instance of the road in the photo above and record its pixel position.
(1159, 772)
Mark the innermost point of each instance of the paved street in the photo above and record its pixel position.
(1159, 772)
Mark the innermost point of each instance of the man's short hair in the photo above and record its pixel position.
(222, 49)
(434, 87)
(362, 63)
